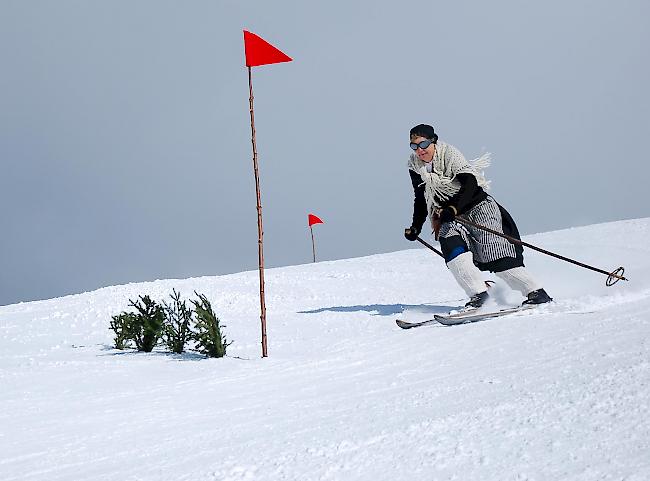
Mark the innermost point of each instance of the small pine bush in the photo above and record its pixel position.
(122, 324)
(148, 325)
(172, 323)
(177, 330)
(207, 330)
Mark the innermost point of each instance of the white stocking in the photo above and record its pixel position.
(467, 274)
(519, 279)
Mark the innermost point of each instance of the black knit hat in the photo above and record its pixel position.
(424, 130)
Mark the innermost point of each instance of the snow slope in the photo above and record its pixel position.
(561, 393)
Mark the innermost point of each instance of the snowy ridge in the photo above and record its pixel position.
(559, 393)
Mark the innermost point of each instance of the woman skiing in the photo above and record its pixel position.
(446, 186)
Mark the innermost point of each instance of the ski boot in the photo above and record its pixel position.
(537, 297)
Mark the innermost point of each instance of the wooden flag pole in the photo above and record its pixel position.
(313, 246)
(260, 230)
(259, 52)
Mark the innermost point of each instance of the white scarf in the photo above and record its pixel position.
(439, 175)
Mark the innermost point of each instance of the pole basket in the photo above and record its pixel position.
(615, 276)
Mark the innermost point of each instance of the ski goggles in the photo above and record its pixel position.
(422, 145)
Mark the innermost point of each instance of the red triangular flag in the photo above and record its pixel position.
(314, 220)
(260, 52)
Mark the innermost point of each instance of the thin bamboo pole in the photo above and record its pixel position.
(260, 230)
(313, 246)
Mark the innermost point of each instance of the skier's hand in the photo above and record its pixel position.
(447, 214)
(412, 233)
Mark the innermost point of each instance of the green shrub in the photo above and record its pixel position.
(207, 330)
(171, 322)
(148, 323)
(176, 331)
(122, 325)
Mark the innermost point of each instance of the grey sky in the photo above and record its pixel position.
(125, 137)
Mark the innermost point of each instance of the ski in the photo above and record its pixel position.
(464, 317)
(409, 325)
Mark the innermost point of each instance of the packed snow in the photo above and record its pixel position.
(561, 392)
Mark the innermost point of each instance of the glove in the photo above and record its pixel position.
(412, 233)
(447, 214)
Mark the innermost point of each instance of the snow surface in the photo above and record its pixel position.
(560, 393)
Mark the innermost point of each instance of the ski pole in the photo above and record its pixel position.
(430, 247)
(612, 277)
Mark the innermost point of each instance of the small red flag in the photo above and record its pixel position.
(260, 52)
(314, 220)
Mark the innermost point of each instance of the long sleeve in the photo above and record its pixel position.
(469, 194)
(419, 203)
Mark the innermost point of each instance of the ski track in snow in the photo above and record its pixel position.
(561, 392)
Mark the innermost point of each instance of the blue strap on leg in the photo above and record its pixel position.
(456, 251)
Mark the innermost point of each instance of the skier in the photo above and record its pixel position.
(445, 186)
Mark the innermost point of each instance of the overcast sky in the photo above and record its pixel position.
(125, 137)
